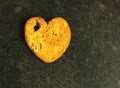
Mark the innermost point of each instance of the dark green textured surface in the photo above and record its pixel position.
(92, 59)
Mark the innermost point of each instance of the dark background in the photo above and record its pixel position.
(92, 59)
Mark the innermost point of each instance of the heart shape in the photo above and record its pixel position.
(48, 41)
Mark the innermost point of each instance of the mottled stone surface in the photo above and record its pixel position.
(92, 59)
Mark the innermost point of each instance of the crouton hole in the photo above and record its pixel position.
(37, 26)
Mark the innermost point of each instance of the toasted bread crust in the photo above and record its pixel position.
(50, 41)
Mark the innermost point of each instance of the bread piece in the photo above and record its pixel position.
(47, 41)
